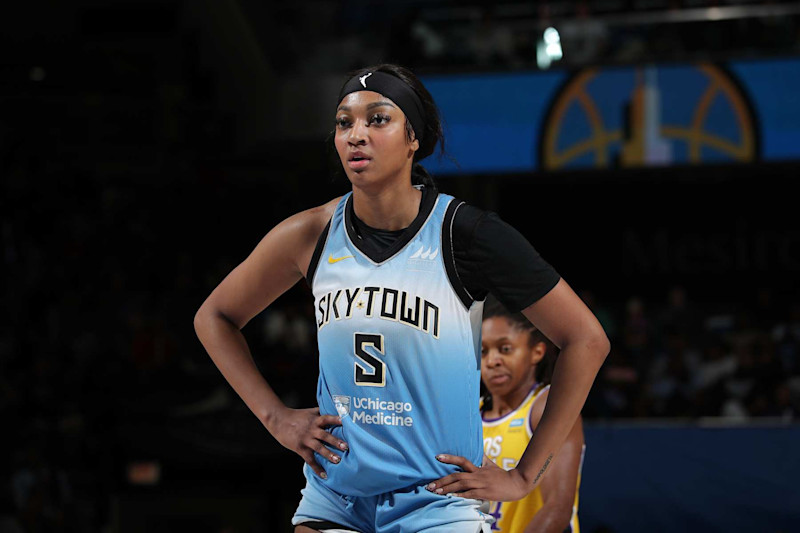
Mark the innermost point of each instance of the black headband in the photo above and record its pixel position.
(393, 88)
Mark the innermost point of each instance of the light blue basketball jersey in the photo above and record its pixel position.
(399, 354)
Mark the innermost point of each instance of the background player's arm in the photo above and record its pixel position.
(274, 266)
(558, 487)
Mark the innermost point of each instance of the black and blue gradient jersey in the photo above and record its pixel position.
(399, 337)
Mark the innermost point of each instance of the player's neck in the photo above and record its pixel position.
(390, 208)
(511, 401)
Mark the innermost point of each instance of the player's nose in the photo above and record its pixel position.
(493, 358)
(358, 133)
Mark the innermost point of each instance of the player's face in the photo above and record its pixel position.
(371, 139)
(508, 362)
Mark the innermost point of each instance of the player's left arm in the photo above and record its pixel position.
(559, 486)
(563, 318)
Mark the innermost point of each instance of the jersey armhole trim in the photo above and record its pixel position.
(536, 395)
(312, 266)
(449, 256)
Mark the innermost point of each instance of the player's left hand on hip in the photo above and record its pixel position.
(489, 482)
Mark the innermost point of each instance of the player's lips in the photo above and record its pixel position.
(498, 379)
(358, 160)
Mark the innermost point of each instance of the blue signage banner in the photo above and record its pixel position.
(619, 117)
(681, 477)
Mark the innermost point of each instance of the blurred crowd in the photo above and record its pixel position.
(680, 358)
(445, 36)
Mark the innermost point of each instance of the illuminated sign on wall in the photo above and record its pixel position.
(648, 116)
(620, 117)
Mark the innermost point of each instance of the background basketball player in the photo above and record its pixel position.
(516, 367)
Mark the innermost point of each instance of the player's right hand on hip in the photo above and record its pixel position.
(304, 432)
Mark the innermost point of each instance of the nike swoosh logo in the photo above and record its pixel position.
(332, 260)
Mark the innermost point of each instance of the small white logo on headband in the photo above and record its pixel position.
(363, 79)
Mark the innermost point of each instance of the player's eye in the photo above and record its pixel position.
(506, 348)
(379, 119)
(342, 122)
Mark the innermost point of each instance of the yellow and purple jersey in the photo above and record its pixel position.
(504, 441)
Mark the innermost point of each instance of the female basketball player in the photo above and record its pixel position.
(516, 368)
(399, 273)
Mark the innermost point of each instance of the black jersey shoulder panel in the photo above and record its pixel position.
(448, 256)
(312, 266)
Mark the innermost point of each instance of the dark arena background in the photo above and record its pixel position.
(649, 149)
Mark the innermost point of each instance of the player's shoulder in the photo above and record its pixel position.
(538, 405)
(320, 214)
(465, 210)
(472, 223)
(309, 223)
(463, 220)
(305, 230)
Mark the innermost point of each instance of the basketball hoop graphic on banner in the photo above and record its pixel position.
(649, 116)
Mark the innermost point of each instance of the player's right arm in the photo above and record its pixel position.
(274, 266)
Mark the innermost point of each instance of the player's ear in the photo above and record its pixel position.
(413, 144)
(537, 352)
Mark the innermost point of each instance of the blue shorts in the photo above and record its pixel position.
(402, 511)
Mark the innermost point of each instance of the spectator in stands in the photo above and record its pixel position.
(669, 377)
(492, 43)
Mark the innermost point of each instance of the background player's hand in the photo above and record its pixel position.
(489, 482)
(303, 432)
